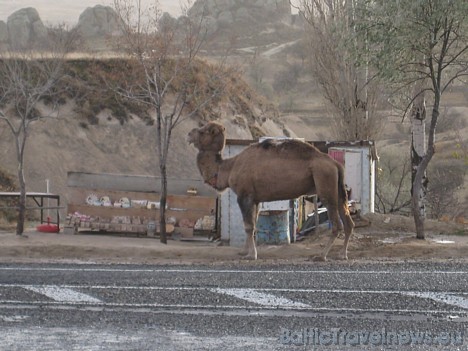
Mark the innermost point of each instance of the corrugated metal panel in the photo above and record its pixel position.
(273, 228)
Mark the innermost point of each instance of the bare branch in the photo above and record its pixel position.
(167, 54)
(26, 78)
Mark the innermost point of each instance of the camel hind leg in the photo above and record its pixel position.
(340, 219)
(334, 218)
(348, 228)
(326, 183)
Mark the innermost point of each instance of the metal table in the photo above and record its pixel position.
(39, 200)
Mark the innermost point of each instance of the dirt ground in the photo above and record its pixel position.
(386, 238)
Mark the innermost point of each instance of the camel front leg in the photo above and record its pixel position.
(323, 256)
(249, 210)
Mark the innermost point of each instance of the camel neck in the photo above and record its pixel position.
(209, 163)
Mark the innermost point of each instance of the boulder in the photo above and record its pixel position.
(167, 21)
(243, 10)
(98, 21)
(26, 30)
(242, 17)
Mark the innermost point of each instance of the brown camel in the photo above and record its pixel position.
(270, 171)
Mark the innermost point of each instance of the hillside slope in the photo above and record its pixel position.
(91, 135)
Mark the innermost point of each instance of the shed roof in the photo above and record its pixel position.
(321, 145)
(137, 183)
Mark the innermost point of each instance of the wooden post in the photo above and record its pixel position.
(317, 219)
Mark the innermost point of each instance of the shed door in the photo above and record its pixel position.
(351, 160)
(232, 224)
(353, 174)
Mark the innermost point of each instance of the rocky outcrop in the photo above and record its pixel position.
(26, 30)
(248, 21)
(243, 11)
(3, 34)
(98, 21)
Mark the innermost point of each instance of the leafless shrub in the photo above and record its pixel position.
(445, 181)
(393, 183)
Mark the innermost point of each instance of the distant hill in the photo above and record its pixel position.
(238, 23)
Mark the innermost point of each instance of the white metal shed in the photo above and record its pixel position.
(359, 161)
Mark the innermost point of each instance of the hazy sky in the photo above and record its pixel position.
(68, 11)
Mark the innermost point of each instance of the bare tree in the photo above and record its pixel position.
(27, 77)
(167, 53)
(343, 79)
(424, 45)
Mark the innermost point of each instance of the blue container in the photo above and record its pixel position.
(273, 227)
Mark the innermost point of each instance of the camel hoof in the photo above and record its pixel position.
(246, 256)
(343, 255)
(318, 259)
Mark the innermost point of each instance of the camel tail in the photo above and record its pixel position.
(343, 196)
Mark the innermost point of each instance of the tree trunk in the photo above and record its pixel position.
(162, 209)
(20, 140)
(162, 169)
(22, 201)
(418, 206)
(420, 178)
(418, 152)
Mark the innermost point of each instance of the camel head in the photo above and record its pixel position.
(210, 137)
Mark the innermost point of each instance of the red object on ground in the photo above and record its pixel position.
(48, 228)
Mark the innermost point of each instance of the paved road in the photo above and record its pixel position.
(332, 306)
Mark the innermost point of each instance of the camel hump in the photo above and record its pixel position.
(292, 147)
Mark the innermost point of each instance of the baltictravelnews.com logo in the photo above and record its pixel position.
(382, 337)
